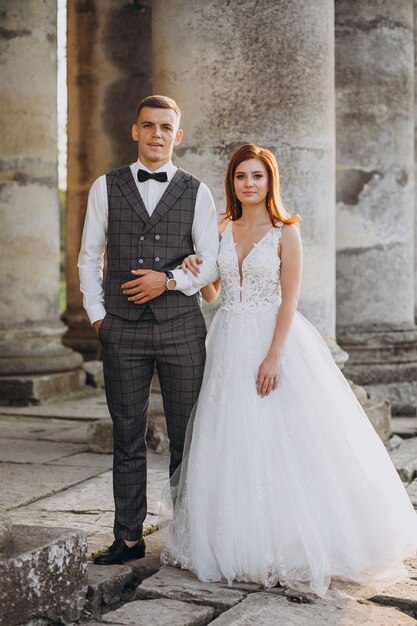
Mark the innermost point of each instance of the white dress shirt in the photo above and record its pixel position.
(93, 245)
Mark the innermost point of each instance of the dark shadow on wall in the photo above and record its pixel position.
(128, 46)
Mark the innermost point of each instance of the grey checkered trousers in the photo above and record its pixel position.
(167, 333)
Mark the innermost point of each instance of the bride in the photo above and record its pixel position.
(284, 480)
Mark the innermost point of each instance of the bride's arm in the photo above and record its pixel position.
(291, 269)
(191, 263)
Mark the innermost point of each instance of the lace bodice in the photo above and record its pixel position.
(259, 288)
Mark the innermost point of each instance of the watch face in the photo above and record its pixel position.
(171, 283)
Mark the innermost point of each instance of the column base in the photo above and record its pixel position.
(24, 390)
(80, 335)
(35, 367)
(384, 362)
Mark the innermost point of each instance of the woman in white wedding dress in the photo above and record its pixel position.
(284, 480)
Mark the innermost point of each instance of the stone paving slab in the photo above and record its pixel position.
(404, 459)
(263, 609)
(13, 427)
(90, 408)
(21, 484)
(158, 613)
(177, 584)
(30, 451)
(402, 595)
(86, 459)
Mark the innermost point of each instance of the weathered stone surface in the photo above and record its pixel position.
(5, 531)
(379, 414)
(402, 394)
(48, 568)
(13, 427)
(91, 407)
(156, 435)
(182, 585)
(404, 426)
(114, 583)
(94, 372)
(22, 484)
(404, 459)
(403, 595)
(159, 613)
(21, 451)
(394, 442)
(87, 459)
(101, 436)
(270, 610)
(35, 389)
(154, 545)
(106, 585)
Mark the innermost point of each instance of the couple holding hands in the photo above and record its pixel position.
(277, 475)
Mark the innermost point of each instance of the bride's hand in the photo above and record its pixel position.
(191, 263)
(268, 375)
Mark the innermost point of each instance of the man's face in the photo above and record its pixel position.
(157, 132)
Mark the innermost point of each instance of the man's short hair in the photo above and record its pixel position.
(159, 102)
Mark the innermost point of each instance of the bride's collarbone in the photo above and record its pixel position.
(248, 237)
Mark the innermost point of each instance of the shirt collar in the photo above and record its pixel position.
(169, 168)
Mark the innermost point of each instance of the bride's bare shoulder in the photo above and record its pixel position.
(222, 227)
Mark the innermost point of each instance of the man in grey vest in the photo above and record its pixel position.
(147, 216)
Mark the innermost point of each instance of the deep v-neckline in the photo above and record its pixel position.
(254, 245)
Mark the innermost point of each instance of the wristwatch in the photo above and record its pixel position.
(171, 283)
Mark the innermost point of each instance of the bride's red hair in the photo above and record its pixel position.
(274, 203)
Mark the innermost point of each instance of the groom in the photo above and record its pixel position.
(147, 217)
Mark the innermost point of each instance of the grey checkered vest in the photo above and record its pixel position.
(137, 241)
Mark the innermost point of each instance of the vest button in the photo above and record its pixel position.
(141, 237)
(140, 260)
(157, 237)
(157, 259)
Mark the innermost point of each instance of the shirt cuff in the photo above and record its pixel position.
(182, 279)
(96, 312)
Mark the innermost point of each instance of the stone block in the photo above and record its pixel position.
(393, 443)
(94, 373)
(404, 426)
(403, 595)
(43, 574)
(158, 613)
(379, 414)
(177, 584)
(101, 436)
(270, 610)
(404, 459)
(156, 435)
(35, 389)
(111, 584)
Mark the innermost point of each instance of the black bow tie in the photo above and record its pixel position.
(143, 175)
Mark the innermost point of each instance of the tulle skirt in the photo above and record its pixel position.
(295, 488)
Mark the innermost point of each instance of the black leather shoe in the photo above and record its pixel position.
(119, 553)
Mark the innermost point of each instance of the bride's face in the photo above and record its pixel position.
(251, 182)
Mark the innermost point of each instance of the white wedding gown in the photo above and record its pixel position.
(294, 488)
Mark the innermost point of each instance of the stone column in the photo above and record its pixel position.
(33, 362)
(261, 72)
(375, 197)
(109, 72)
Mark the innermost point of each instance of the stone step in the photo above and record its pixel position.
(404, 458)
(176, 584)
(160, 612)
(404, 426)
(270, 610)
(111, 584)
(43, 574)
(403, 595)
